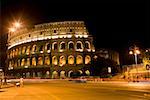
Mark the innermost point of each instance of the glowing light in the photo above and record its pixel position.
(137, 51)
(17, 24)
(131, 52)
(12, 29)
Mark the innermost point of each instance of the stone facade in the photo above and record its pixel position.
(50, 50)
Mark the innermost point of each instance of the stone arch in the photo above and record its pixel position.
(40, 61)
(13, 54)
(23, 62)
(41, 49)
(10, 64)
(62, 46)
(28, 61)
(33, 61)
(48, 47)
(54, 60)
(16, 53)
(54, 46)
(28, 50)
(87, 72)
(18, 62)
(47, 60)
(70, 45)
(69, 73)
(10, 54)
(55, 74)
(15, 63)
(81, 72)
(62, 74)
(34, 48)
(87, 45)
(87, 59)
(79, 59)
(79, 46)
(23, 49)
(71, 59)
(20, 51)
(62, 60)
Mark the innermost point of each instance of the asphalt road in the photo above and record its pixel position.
(68, 90)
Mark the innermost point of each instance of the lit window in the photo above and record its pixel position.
(22, 62)
(40, 61)
(79, 59)
(34, 48)
(62, 60)
(54, 60)
(47, 60)
(87, 59)
(34, 61)
(70, 59)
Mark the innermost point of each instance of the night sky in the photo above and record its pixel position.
(113, 25)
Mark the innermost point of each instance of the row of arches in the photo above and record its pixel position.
(61, 61)
(48, 47)
(54, 74)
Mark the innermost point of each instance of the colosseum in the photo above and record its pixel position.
(50, 50)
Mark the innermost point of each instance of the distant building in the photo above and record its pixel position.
(108, 54)
(141, 70)
(51, 50)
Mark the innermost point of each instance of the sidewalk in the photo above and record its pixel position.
(8, 85)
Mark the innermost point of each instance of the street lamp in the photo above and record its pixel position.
(15, 26)
(135, 51)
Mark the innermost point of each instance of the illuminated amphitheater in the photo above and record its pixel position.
(50, 50)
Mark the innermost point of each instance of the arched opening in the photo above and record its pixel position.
(23, 50)
(20, 51)
(40, 61)
(54, 46)
(62, 60)
(22, 62)
(71, 45)
(47, 60)
(16, 53)
(79, 46)
(81, 72)
(62, 46)
(34, 48)
(70, 73)
(13, 53)
(34, 61)
(62, 74)
(75, 74)
(10, 64)
(54, 60)
(18, 62)
(87, 59)
(41, 49)
(87, 72)
(15, 65)
(28, 50)
(79, 59)
(47, 47)
(55, 75)
(71, 59)
(28, 61)
(87, 45)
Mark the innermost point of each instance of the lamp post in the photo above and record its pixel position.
(135, 51)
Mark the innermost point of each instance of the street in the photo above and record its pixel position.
(70, 90)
